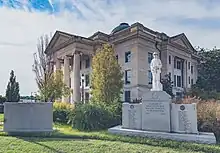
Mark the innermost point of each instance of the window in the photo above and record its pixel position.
(192, 82)
(169, 59)
(174, 63)
(178, 65)
(127, 95)
(178, 81)
(86, 96)
(188, 65)
(192, 69)
(174, 80)
(87, 80)
(87, 63)
(127, 76)
(189, 80)
(127, 57)
(150, 57)
(149, 77)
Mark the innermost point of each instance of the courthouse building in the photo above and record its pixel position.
(134, 46)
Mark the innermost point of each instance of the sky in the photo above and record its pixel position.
(22, 22)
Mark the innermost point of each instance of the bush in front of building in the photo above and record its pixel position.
(62, 112)
(208, 115)
(92, 117)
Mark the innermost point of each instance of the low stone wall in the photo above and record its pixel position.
(28, 117)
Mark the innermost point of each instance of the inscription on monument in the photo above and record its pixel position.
(132, 117)
(184, 122)
(155, 107)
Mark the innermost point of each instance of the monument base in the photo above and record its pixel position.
(202, 137)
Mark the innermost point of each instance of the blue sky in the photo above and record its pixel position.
(24, 21)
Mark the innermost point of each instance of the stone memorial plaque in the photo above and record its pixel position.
(156, 111)
(131, 116)
(184, 118)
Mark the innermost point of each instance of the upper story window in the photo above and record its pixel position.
(169, 59)
(127, 76)
(192, 69)
(150, 77)
(150, 57)
(87, 64)
(178, 65)
(188, 65)
(127, 56)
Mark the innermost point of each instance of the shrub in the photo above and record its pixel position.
(62, 112)
(208, 115)
(90, 117)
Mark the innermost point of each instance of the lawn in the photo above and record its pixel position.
(65, 139)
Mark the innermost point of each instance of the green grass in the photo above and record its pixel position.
(36, 145)
(66, 139)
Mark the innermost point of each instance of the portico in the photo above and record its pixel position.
(69, 60)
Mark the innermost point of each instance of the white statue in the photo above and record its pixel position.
(155, 67)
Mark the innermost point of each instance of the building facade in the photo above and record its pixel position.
(134, 46)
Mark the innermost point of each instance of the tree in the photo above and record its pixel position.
(167, 85)
(208, 82)
(50, 84)
(12, 91)
(107, 76)
(2, 99)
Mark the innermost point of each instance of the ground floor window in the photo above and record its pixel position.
(127, 96)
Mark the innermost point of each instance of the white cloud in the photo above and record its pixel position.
(20, 29)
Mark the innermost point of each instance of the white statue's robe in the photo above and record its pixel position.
(156, 66)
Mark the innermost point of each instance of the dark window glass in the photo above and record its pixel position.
(127, 57)
(87, 80)
(178, 81)
(127, 95)
(127, 76)
(169, 59)
(149, 77)
(150, 57)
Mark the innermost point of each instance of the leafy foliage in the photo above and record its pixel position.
(2, 99)
(12, 91)
(54, 88)
(167, 84)
(208, 83)
(89, 117)
(50, 83)
(106, 76)
(62, 112)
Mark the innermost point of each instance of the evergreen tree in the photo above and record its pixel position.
(107, 76)
(12, 91)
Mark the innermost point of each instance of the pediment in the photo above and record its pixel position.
(182, 40)
(57, 39)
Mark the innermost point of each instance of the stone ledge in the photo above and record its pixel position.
(202, 137)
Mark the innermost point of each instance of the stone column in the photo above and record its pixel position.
(66, 75)
(58, 64)
(76, 77)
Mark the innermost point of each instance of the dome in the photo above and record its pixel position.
(120, 27)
